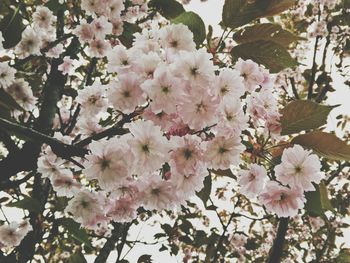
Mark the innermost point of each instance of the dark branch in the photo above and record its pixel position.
(277, 248)
(313, 71)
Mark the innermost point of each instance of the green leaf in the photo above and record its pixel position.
(344, 256)
(11, 27)
(204, 194)
(303, 115)
(77, 257)
(29, 203)
(317, 202)
(269, 32)
(194, 23)
(145, 259)
(6, 101)
(273, 56)
(55, 6)
(127, 37)
(167, 8)
(240, 12)
(325, 144)
(74, 229)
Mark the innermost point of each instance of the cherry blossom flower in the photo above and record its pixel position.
(101, 27)
(252, 181)
(108, 163)
(177, 37)
(118, 59)
(7, 74)
(164, 90)
(30, 43)
(65, 185)
(49, 165)
(123, 210)
(283, 201)
(11, 235)
(229, 84)
(299, 168)
(149, 146)
(198, 110)
(92, 98)
(84, 31)
(250, 72)
(87, 208)
(224, 151)
(188, 156)
(99, 48)
(126, 94)
(55, 51)
(158, 194)
(232, 119)
(67, 67)
(43, 18)
(196, 67)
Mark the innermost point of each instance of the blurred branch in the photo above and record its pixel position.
(313, 70)
(110, 243)
(277, 247)
(295, 91)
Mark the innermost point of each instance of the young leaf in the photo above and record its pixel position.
(77, 257)
(240, 12)
(29, 203)
(11, 27)
(6, 101)
(204, 194)
(167, 8)
(317, 202)
(273, 56)
(303, 115)
(74, 229)
(127, 37)
(325, 144)
(270, 32)
(194, 23)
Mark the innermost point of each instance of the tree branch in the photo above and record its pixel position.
(277, 248)
(110, 244)
(313, 70)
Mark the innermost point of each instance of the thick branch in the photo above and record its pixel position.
(110, 244)
(59, 148)
(277, 248)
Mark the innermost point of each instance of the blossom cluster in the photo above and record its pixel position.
(294, 176)
(191, 122)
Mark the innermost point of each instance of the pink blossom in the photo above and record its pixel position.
(224, 151)
(99, 48)
(87, 208)
(157, 193)
(67, 67)
(123, 210)
(108, 163)
(251, 74)
(283, 201)
(149, 146)
(11, 235)
(126, 94)
(198, 110)
(177, 37)
(299, 168)
(229, 85)
(252, 181)
(164, 90)
(84, 31)
(101, 27)
(92, 98)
